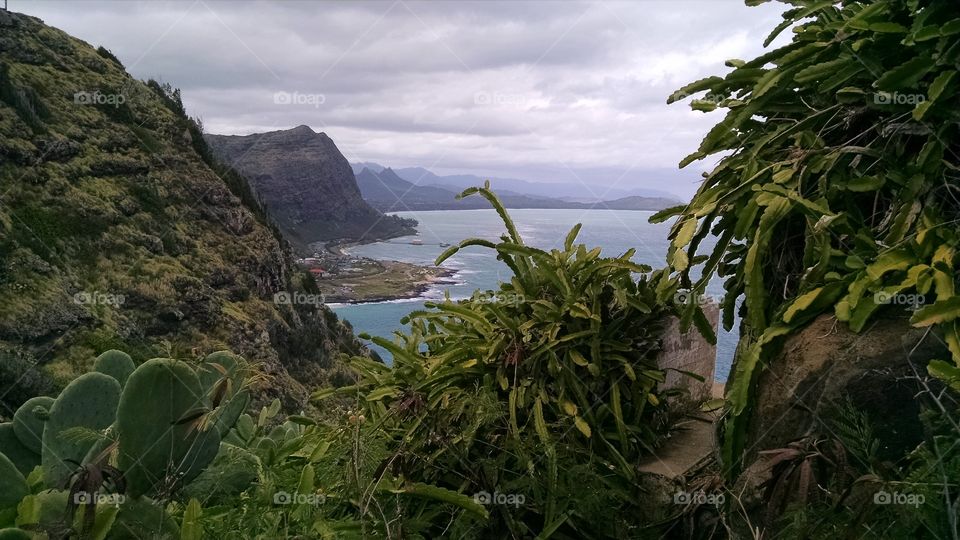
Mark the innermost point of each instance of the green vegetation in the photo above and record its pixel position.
(837, 192)
(840, 185)
(522, 411)
(545, 388)
(850, 490)
(118, 230)
(514, 412)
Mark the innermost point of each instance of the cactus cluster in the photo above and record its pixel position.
(160, 423)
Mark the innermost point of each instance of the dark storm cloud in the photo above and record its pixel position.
(508, 88)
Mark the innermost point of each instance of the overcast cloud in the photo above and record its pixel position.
(548, 91)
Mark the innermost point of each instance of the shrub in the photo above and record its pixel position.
(839, 184)
(511, 390)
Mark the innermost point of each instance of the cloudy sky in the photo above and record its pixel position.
(545, 91)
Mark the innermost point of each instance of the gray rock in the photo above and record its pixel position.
(308, 187)
(689, 352)
(825, 364)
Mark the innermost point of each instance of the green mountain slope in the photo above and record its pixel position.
(117, 230)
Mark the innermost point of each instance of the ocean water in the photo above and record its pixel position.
(615, 231)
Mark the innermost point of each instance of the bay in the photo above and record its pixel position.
(615, 231)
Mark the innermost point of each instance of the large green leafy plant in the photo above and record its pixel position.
(838, 187)
(551, 378)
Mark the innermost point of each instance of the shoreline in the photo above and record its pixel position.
(336, 247)
(416, 290)
(346, 279)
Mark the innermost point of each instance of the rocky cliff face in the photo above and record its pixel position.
(306, 184)
(118, 231)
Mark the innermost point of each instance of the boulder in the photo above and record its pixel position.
(825, 364)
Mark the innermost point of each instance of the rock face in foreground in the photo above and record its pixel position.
(826, 364)
(306, 184)
(116, 232)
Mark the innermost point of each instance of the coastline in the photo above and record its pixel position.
(346, 279)
(396, 276)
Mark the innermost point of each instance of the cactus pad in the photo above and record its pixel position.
(160, 448)
(29, 419)
(89, 402)
(116, 364)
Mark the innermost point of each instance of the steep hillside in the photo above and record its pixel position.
(306, 184)
(117, 231)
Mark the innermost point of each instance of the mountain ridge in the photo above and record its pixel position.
(306, 184)
(551, 190)
(388, 192)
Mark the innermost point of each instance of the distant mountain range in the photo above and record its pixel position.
(566, 191)
(416, 188)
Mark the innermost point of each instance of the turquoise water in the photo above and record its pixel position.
(477, 268)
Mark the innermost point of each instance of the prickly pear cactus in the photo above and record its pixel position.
(89, 402)
(12, 533)
(162, 446)
(21, 456)
(99, 448)
(29, 420)
(44, 511)
(234, 470)
(143, 518)
(231, 362)
(116, 364)
(228, 400)
(13, 486)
